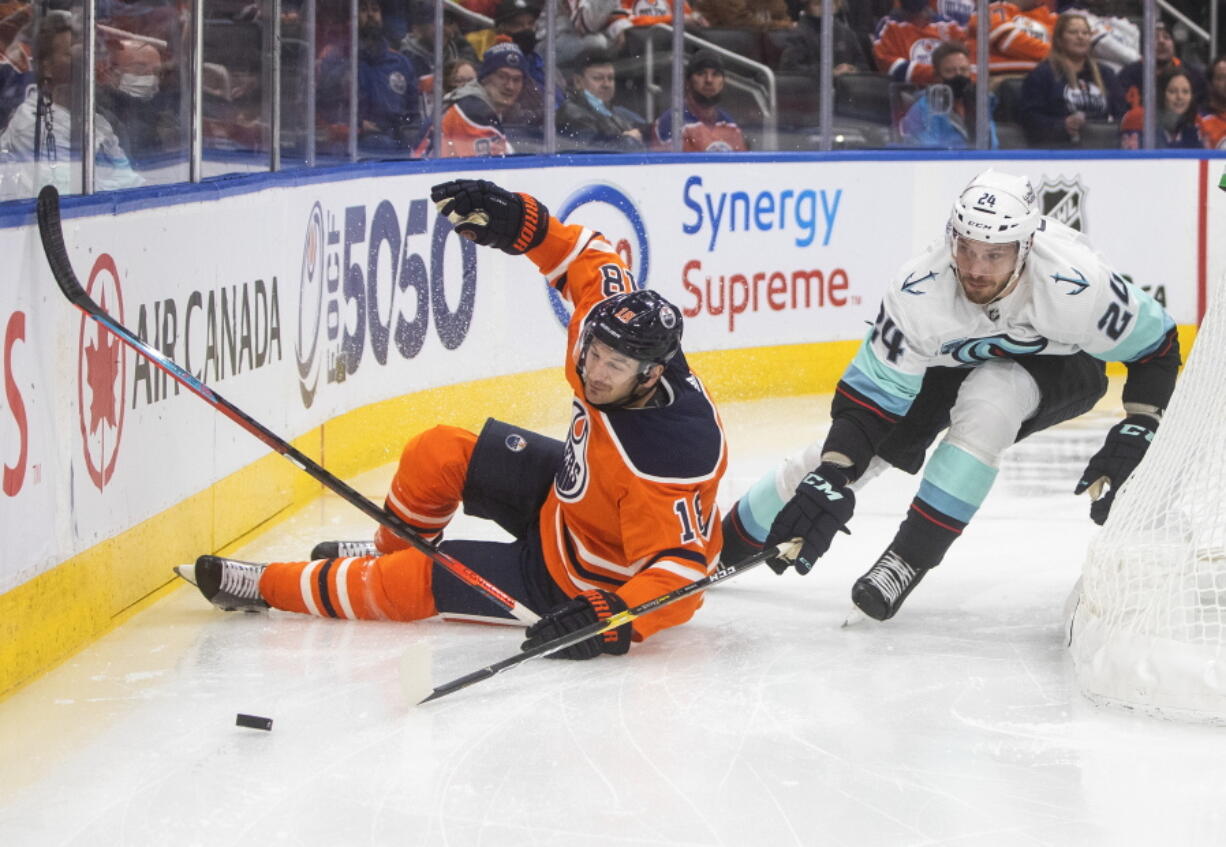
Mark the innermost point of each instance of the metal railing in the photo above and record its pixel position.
(764, 96)
(754, 78)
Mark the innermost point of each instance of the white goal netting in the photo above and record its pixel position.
(1149, 632)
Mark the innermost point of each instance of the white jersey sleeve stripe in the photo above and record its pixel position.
(342, 590)
(304, 586)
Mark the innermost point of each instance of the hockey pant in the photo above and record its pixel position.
(503, 475)
(985, 409)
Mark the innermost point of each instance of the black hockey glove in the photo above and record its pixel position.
(1120, 454)
(482, 212)
(586, 609)
(821, 506)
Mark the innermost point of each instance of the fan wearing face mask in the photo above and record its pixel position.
(944, 114)
(130, 97)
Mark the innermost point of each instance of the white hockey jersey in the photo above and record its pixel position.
(1067, 300)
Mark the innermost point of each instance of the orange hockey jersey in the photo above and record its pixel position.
(649, 12)
(1017, 40)
(633, 508)
(904, 50)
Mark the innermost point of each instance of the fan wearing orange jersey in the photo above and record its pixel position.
(1019, 35)
(905, 38)
(609, 518)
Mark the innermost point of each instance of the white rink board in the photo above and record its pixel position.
(93, 444)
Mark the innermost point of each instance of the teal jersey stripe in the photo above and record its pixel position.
(956, 482)
(889, 388)
(1149, 329)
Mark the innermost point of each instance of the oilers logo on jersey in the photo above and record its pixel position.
(571, 480)
(973, 351)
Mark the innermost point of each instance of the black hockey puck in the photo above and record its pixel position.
(254, 722)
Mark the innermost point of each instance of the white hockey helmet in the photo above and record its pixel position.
(997, 208)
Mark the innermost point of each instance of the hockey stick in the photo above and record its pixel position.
(786, 551)
(52, 233)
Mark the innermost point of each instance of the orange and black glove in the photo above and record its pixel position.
(490, 216)
(584, 610)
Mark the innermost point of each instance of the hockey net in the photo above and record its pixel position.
(1149, 632)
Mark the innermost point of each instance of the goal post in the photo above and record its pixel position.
(1149, 630)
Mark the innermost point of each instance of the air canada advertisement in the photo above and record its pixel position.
(301, 303)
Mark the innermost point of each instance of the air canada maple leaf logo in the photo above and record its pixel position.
(101, 384)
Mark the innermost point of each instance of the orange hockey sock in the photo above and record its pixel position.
(429, 483)
(397, 586)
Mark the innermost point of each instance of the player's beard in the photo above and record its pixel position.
(704, 100)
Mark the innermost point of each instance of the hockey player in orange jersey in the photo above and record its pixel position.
(612, 517)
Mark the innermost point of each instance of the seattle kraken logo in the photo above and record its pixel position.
(1079, 282)
(570, 482)
(973, 351)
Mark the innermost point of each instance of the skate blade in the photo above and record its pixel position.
(186, 573)
(854, 618)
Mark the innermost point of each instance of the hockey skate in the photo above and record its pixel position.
(343, 549)
(881, 591)
(230, 585)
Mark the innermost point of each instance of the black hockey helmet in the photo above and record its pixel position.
(639, 324)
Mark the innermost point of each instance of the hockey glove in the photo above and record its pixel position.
(586, 609)
(1120, 454)
(821, 506)
(482, 212)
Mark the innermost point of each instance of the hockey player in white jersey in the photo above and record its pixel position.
(1000, 330)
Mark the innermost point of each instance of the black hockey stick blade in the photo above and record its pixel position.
(787, 551)
(51, 231)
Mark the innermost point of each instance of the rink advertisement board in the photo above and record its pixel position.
(299, 303)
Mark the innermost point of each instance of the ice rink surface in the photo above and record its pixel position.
(761, 722)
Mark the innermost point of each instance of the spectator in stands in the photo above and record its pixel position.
(389, 104)
(474, 116)
(129, 96)
(1164, 59)
(747, 14)
(458, 72)
(16, 66)
(1069, 89)
(1213, 121)
(515, 19)
(1114, 41)
(652, 12)
(589, 118)
(585, 25)
(706, 127)
(802, 51)
(418, 45)
(1178, 121)
(905, 39)
(944, 114)
(1019, 35)
(960, 10)
(40, 132)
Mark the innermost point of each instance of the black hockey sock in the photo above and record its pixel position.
(925, 535)
(738, 543)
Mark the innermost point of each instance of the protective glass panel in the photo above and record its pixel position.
(40, 97)
(237, 96)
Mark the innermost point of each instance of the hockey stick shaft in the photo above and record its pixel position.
(786, 551)
(52, 233)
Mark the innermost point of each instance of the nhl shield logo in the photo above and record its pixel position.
(1064, 200)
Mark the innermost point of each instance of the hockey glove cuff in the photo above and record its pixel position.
(821, 506)
(584, 610)
(1122, 451)
(491, 216)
